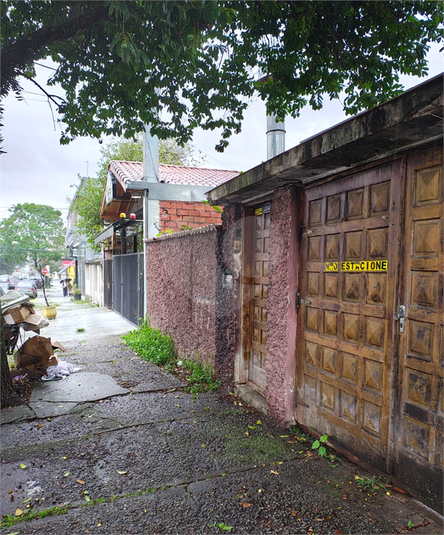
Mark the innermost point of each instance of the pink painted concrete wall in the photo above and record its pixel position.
(185, 295)
(281, 324)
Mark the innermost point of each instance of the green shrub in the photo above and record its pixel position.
(151, 344)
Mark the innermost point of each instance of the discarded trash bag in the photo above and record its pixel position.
(61, 370)
(36, 355)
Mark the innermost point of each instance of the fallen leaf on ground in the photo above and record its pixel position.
(18, 512)
(23, 466)
(80, 482)
(246, 504)
(122, 472)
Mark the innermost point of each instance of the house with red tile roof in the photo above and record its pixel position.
(172, 200)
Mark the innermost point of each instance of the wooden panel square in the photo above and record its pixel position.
(330, 323)
(376, 288)
(374, 332)
(310, 387)
(371, 418)
(266, 221)
(258, 245)
(426, 238)
(428, 184)
(348, 407)
(352, 286)
(372, 375)
(333, 208)
(264, 315)
(315, 212)
(353, 246)
(328, 396)
(349, 368)
(416, 437)
(258, 269)
(355, 204)
(313, 283)
(266, 244)
(256, 335)
(332, 247)
(329, 359)
(256, 313)
(331, 285)
(425, 289)
(314, 249)
(312, 319)
(264, 291)
(257, 291)
(265, 268)
(351, 327)
(264, 337)
(377, 244)
(256, 357)
(259, 222)
(311, 354)
(379, 198)
(420, 337)
(419, 387)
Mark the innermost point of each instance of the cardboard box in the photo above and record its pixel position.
(36, 355)
(18, 314)
(35, 322)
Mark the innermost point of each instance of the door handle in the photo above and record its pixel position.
(400, 316)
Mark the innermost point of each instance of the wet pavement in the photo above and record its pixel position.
(120, 448)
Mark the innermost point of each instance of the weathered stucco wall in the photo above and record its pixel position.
(185, 294)
(281, 324)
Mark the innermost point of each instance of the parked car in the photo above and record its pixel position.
(26, 286)
(38, 282)
(13, 281)
(4, 282)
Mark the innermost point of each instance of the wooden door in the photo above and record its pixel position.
(348, 257)
(258, 308)
(419, 428)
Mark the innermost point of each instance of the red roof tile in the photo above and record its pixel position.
(172, 174)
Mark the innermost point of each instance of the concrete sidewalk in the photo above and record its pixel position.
(120, 448)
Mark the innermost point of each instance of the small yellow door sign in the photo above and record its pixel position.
(362, 265)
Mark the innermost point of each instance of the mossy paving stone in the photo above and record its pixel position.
(288, 504)
(149, 456)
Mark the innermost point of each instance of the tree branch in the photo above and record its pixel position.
(25, 49)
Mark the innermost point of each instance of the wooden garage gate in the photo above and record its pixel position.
(369, 372)
(258, 304)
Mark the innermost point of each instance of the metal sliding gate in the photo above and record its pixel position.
(108, 283)
(128, 286)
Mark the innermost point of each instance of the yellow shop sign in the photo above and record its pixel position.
(365, 265)
(362, 265)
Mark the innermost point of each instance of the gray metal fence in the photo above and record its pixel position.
(128, 287)
(108, 283)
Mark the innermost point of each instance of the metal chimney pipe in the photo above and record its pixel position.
(150, 156)
(275, 136)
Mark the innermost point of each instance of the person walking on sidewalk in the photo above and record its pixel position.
(65, 288)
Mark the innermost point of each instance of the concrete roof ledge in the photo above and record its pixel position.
(409, 120)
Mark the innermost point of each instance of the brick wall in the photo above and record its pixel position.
(174, 215)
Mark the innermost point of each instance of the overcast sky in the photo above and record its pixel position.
(36, 168)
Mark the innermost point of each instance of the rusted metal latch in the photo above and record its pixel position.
(301, 301)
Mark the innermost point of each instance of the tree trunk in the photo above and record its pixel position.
(9, 396)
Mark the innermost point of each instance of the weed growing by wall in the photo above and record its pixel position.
(151, 344)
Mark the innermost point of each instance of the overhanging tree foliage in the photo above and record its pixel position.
(120, 62)
(33, 232)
